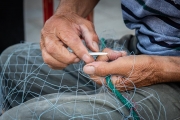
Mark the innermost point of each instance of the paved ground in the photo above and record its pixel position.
(107, 18)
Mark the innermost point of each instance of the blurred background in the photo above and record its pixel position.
(23, 20)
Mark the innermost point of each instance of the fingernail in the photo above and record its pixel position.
(89, 69)
(95, 45)
(76, 60)
(86, 58)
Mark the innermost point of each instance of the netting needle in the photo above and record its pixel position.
(98, 53)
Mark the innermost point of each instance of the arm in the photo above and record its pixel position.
(140, 70)
(170, 68)
(79, 7)
(65, 29)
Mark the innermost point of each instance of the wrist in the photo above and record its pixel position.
(81, 8)
(167, 69)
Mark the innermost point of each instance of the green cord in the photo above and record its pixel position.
(121, 98)
(103, 45)
(116, 92)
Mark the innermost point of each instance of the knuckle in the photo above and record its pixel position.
(50, 47)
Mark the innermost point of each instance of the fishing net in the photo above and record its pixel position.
(33, 91)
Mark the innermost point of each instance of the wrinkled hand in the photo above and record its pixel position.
(67, 30)
(126, 72)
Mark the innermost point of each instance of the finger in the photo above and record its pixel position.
(122, 66)
(58, 51)
(112, 55)
(72, 40)
(124, 53)
(90, 37)
(52, 63)
(104, 57)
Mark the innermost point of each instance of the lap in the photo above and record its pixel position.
(36, 91)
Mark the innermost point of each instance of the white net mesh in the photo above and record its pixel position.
(33, 91)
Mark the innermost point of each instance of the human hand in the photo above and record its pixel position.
(66, 30)
(126, 72)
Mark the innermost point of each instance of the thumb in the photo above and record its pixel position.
(122, 66)
(99, 68)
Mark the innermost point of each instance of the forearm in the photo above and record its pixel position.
(169, 68)
(80, 7)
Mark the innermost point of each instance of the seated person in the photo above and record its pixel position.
(149, 81)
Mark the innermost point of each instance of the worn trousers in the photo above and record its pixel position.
(31, 91)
